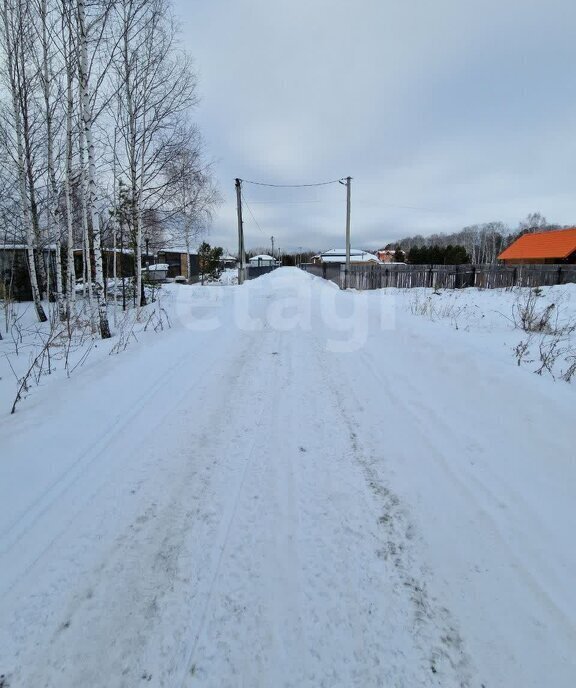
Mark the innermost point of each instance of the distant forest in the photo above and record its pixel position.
(480, 243)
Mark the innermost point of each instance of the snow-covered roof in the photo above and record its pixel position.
(262, 256)
(337, 255)
(160, 267)
(228, 258)
(22, 247)
(177, 249)
(342, 252)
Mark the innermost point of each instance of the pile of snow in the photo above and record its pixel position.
(228, 277)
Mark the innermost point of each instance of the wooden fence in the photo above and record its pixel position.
(329, 271)
(449, 276)
(253, 271)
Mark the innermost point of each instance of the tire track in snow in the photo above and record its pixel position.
(80, 467)
(13, 533)
(440, 641)
(187, 663)
(428, 418)
(219, 547)
(170, 527)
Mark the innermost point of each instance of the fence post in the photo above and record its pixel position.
(559, 274)
(514, 276)
(473, 276)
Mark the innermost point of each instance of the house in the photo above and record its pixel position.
(227, 261)
(338, 256)
(558, 246)
(180, 261)
(389, 255)
(14, 271)
(262, 260)
(124, 259)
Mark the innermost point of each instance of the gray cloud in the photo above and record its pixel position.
(445, 113)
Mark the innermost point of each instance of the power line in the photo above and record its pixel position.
(409, 207)
(285, 202)
(291, 186)
(251, 213)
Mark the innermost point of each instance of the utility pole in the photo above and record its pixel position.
(272, 240)
(347, 270)
(241, 254)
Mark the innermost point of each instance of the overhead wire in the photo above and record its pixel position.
(334, 181)
(251, 213)
(292, 186)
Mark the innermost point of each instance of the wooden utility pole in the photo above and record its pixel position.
(241, 254)
(272, 240)
(347, 269)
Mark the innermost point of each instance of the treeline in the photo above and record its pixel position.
(438, 255)
(480, 243)
(97, 140)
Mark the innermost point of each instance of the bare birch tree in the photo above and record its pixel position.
(155, 87)
(194, 193)
(13, 44)
(87, 122)
(49, 81)
(100, 98)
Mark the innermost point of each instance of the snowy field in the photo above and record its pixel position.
(283, 484)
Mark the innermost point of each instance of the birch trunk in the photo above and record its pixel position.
(115, 278)
(139, 201)
(71, 271)
(87, 259)
(104, 325)
(53, 219)
(133, 163)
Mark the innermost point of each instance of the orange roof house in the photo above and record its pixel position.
(558, 246)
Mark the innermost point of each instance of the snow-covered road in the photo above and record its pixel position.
(294, 486)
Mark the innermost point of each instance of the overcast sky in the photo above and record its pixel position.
(444, 112)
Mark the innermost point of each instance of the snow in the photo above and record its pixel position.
(162, 267)
(294, 486)
(342, 252)
(365, 258)
(178, 249)
(228, 276)
(261, 257)
(20, 247)
(337, 255)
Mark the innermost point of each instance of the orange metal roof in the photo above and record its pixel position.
(556, 244)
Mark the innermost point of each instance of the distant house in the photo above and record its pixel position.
(124, 262)
(338, 256)
(262, 260)
(156, 272)
(14, 271)
(558, 246)
(228, 261)
(389, 255)
(181, 263)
